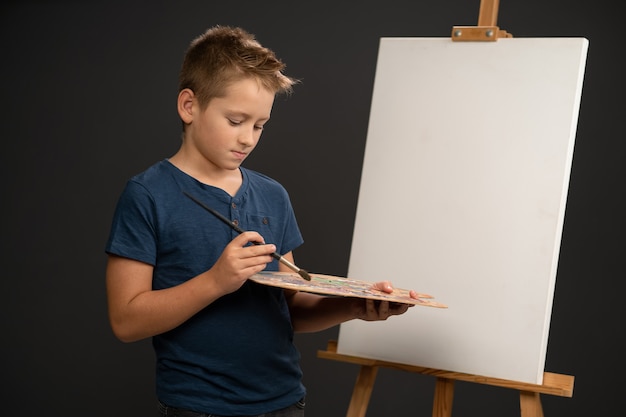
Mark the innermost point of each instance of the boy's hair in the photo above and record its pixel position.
(223, 55)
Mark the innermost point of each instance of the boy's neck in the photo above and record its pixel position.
(228, 180)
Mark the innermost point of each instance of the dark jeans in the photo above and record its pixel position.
(295, 410)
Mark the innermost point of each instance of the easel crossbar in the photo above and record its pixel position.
(553, 384)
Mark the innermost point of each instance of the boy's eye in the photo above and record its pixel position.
(234, 122)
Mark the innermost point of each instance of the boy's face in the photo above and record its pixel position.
(230, 127)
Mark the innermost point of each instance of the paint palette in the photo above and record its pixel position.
(339, 286)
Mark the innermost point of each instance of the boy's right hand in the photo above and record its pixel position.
(239, 261)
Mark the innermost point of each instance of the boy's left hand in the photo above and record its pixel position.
(375, 310)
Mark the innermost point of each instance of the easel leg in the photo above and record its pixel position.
(444, 393)
(362, 391)
(530, 404)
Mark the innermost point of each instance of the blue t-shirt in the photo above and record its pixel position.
(236, 356)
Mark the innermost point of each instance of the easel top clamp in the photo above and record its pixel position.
(487, 30)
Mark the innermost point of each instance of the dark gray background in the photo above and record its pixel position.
(88, 99)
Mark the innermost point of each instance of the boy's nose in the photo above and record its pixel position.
(247, 137)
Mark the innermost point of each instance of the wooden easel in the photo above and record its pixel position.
(530, 401)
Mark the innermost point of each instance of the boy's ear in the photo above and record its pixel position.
(185, 105)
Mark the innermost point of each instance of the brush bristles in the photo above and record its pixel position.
(304, 274)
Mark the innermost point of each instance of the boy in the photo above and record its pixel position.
(223, 344)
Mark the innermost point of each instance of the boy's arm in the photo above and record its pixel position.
(312, 312)
(136, 311)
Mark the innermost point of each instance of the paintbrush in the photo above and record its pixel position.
(304, 274)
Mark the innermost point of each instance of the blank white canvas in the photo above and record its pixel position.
(462, 196)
